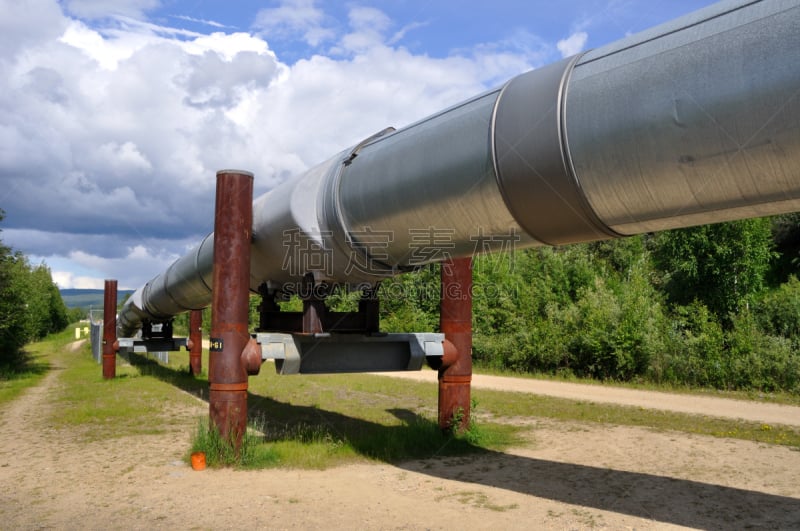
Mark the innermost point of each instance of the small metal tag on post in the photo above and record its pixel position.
(227, 375)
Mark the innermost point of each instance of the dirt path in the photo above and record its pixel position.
(765, 412)
(569, 476)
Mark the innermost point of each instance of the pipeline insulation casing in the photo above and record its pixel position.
(695, 121)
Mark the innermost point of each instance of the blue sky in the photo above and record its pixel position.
(116, 114)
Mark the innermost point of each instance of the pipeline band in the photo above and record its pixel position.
(456, 379)
(229, 386)
(534, 177)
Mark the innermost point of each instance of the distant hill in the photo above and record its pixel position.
(89, 298)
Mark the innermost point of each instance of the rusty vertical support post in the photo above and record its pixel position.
(110, 329)
(227, 375)
(196, 340)
(455, 321)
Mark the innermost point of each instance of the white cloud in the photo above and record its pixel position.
(212, 23)
(107, 55)
(69, 280)
(294, 18)
(227, 45)
(400, 34)
(87, 271)
(119, 42)
(572, 44)
(123, 158)
(367, 26)
(23, 24)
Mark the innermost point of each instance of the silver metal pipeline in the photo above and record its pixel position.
(695, 121)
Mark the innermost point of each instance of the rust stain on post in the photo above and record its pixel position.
(227, 374)
(455, 321)
(110, 329)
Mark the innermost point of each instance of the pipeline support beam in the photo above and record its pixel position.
(110, 329)
(227, 374)
(455, 321)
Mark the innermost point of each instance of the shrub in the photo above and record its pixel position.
(758, 360)
(694, 348)
(778, 311)
(615, 334)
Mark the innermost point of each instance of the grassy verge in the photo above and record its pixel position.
(31, 366)
(14, 381)
(303, 422)
(778, 397)
(503, 407)
(317, 421)
(133, 403)
(504, 404)
(317, 446)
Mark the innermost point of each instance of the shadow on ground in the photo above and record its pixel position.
(21, 364)
(662, 499)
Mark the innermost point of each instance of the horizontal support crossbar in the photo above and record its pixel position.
(152, 345)
(347, 353)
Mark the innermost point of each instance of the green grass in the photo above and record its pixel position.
(312, 446)
(222, 452)
(32, 364)
(130, 404)
(133, 403)
(318, 421)
(350, 391)
(30, 372)
(380, 418)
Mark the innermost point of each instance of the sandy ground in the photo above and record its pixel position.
(569, 476)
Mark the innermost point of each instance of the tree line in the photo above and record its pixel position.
(30, 305)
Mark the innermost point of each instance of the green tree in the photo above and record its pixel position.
(410, 302)
(56, 317)
(786, 234)
(43, 308)
(721, 265)
(778, 311)
(13, 333)
(30, 304)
